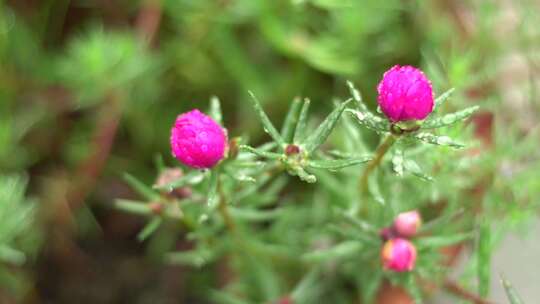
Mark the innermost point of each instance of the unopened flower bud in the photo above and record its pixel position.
(292, 149)
(198, 141)
(405, 94)
(406, 224)
(398, 255)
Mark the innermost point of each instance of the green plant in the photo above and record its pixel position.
(326, 234)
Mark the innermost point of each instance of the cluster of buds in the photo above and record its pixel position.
(398, 253)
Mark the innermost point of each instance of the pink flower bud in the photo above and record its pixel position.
(406, 224)
(405, 94)
(398, 255)
(197, 141)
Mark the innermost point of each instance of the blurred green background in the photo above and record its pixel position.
(89, 89)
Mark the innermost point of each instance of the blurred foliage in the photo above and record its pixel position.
(71, 69)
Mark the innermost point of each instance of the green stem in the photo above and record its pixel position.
(224, 210)
(374, 163)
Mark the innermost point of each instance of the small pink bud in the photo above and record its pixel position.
(405, 94)
(398, 255)
(406, 224)
(197, 141)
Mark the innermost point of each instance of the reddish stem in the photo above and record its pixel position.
(461, 292)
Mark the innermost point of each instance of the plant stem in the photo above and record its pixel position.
(459, 291)
(379, 154)
(374, 163)
(224, 210)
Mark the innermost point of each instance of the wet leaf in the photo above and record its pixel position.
(320, 135)
(150, 228)
(370, 121)
(291, 120)
(335, 164)
(442, 241)
(300, 129)
(450, 119)
(213, 195)
(141, 188)
(135, 207)
(511, 293)
(437, 140)
(215, 110)
(261, 153)
(267, 125)
(442, 98)
(397, 161)
(357, 97)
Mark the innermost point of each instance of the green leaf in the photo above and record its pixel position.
(362, 225)
(412, 167)
(320, 135)
(159, 162)
(150, 228)
(397, 161)
(335, 164)
(135, 207)
(213, 195)
(255, 215)
(239, 175)
(141, 188)
(300, 130)
(371, 283)
(192, 178)
(215, 110)
(437, 140)
(198, 257)
(511, 293)
(291, 120)
(304, 290)
(261, 153)
(449, 119)
(357, 97)
(341, 250)
(441, 221)
(302, 174)
(347, 233)
(370, 121)
(11, 255)
(442, 98)
(442, 241)
(484, 258)
(221, 297)
(414, 289)
(267, 125)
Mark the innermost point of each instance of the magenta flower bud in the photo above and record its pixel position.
(197, 141)
(406, 224)
(398, 255)
(405, 94)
